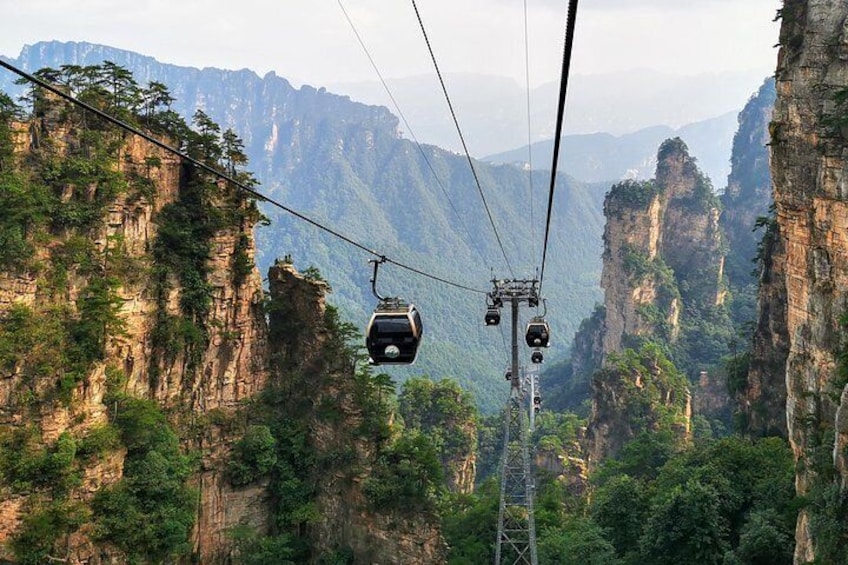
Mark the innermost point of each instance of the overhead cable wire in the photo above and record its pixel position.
(409, 129)
(563, 86)
(461, 137)
(197, 163)
(529, 139)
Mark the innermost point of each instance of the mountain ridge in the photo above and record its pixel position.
(591, 156)
(494, 113)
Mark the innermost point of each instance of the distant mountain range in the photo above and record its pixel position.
(493, 110)
(598, 157)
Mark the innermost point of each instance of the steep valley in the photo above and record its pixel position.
(161, 403)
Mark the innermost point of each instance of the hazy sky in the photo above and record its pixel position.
(310, 40)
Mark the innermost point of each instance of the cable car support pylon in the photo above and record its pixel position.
(516, 544)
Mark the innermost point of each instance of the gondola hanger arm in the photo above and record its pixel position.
(377, 263)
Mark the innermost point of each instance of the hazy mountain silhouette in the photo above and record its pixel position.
(605, 157)
(493, 110)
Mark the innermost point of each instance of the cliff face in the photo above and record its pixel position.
(747, 225)
(570, 385)
(763, 399)
(229, 365)
(748, 194)
(810, 262)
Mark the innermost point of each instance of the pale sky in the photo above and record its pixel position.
(309, 41)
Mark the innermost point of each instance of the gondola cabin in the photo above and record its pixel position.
(493, 317)
(538, 333)
(394, 333)
(536, 357)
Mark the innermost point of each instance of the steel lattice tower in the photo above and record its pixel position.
(516, 543)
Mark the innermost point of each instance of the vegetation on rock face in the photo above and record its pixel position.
(631, 194)
(149, 513)
(26, 464)
(61, 190)
(826, 501)
(445, 414)
(184, 240)
(408, 475)
(55, 194)
(252, 456)
(651, 394)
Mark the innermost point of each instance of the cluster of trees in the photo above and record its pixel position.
(717, 501)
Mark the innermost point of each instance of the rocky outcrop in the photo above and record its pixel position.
(663, 267)
(631, 242)
(662, 249)
(691, 243)
(809, 263)
(748, 195)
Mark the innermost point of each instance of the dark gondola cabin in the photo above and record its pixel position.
(538, 333)
(493, 317)
(394, 333)
(536, 357)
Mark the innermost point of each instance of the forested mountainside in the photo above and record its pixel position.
(155, 404)
(344, 164)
